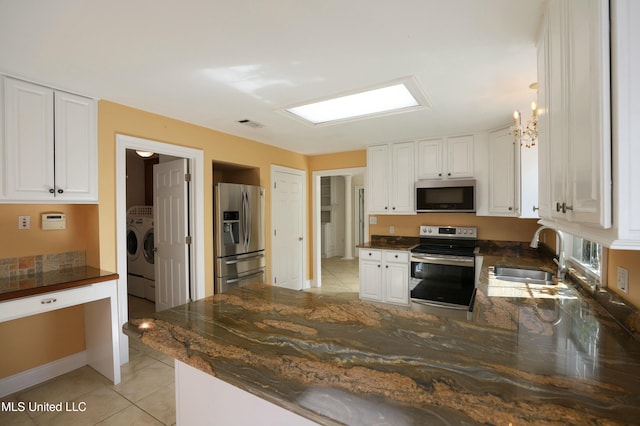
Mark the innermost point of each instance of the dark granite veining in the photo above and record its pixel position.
(43, 282)
(530, 355)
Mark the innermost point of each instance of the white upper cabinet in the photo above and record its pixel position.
(576, 136)
(589, 99)
(390, 178)
(504, 194)
(50, 145)
(445, 158)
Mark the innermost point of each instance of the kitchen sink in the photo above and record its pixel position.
(523, 275)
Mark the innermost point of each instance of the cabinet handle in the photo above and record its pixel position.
(60, 191)
(370, 253)
(393, 208)
(565, 207)
(439, 174)
(448, 174)
(510, 208)
(378, 266)
(386, 266)
(52, 191)
(558, 207)
(386, 208)
(48, 301)
(396, 256)
(536, 208)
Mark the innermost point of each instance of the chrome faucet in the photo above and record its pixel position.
(562, 267)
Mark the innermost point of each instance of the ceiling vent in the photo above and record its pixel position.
(252, 124)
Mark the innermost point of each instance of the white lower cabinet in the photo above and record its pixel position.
(384, 276)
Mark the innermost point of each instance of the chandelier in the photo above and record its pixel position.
(528, 135)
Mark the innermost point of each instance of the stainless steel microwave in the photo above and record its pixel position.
(452, 195)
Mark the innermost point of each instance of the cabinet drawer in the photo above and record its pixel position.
(370, 254)
(396, 256)
(46, 302)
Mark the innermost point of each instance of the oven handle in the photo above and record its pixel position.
(468, 262)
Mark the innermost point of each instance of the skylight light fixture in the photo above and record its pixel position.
(395, 97)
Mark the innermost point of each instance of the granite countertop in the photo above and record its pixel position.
(45, 282)
(385, 242)
(529, 355)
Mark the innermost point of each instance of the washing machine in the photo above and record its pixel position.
(140, 252)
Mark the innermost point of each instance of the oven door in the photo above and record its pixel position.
(442, 280)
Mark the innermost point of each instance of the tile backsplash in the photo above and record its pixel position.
(28, 266)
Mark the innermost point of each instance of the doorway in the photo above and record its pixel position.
(351, 214)
(195, 218)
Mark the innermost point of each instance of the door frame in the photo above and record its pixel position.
(316, 223)
(274, 208)
(195, 159)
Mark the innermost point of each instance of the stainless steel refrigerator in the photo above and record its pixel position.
(239, 235)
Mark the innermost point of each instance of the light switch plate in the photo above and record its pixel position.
(623, 279)
(392, 229)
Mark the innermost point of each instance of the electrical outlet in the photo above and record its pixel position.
(623, 279)
(392, 229)
(373, 220)
(24, 222)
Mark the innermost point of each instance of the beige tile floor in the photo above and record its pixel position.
(145, 395)
(339, 276)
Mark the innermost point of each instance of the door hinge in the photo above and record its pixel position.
(275, 232)
(275, 280)
(187, 177)
(188, 239)
(275, 185)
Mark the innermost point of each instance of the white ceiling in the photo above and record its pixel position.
(214, 62)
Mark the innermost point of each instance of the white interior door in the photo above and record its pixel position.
(288, 229)
(170, 233)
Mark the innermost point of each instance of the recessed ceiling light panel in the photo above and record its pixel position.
(391, 98)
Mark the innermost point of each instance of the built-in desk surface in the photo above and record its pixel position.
(45, 282)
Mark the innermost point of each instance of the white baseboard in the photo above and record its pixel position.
(41, 373)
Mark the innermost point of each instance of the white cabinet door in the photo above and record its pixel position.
(28, 167)
(401, 189)
(575, 137)
(51, 148)
(76, 148)
(396, 277)
(390, 178)
(503, 186)
(378, 178)
(589, 113)
(460, 157)
(544, 181)
(370, 280)
(397, 283)
(445, 158)
(430, 158)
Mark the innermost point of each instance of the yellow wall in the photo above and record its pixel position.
(631, 261)
(216, 146)
(43, 338)
(489, 228)
(39, 339)
(80, 234)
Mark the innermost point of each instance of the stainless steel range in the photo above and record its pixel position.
(443, 267)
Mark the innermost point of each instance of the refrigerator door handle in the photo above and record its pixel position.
(249, 221)
(244, 259)
(235, 280)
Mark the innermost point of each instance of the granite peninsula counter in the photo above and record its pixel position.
(529, 356)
